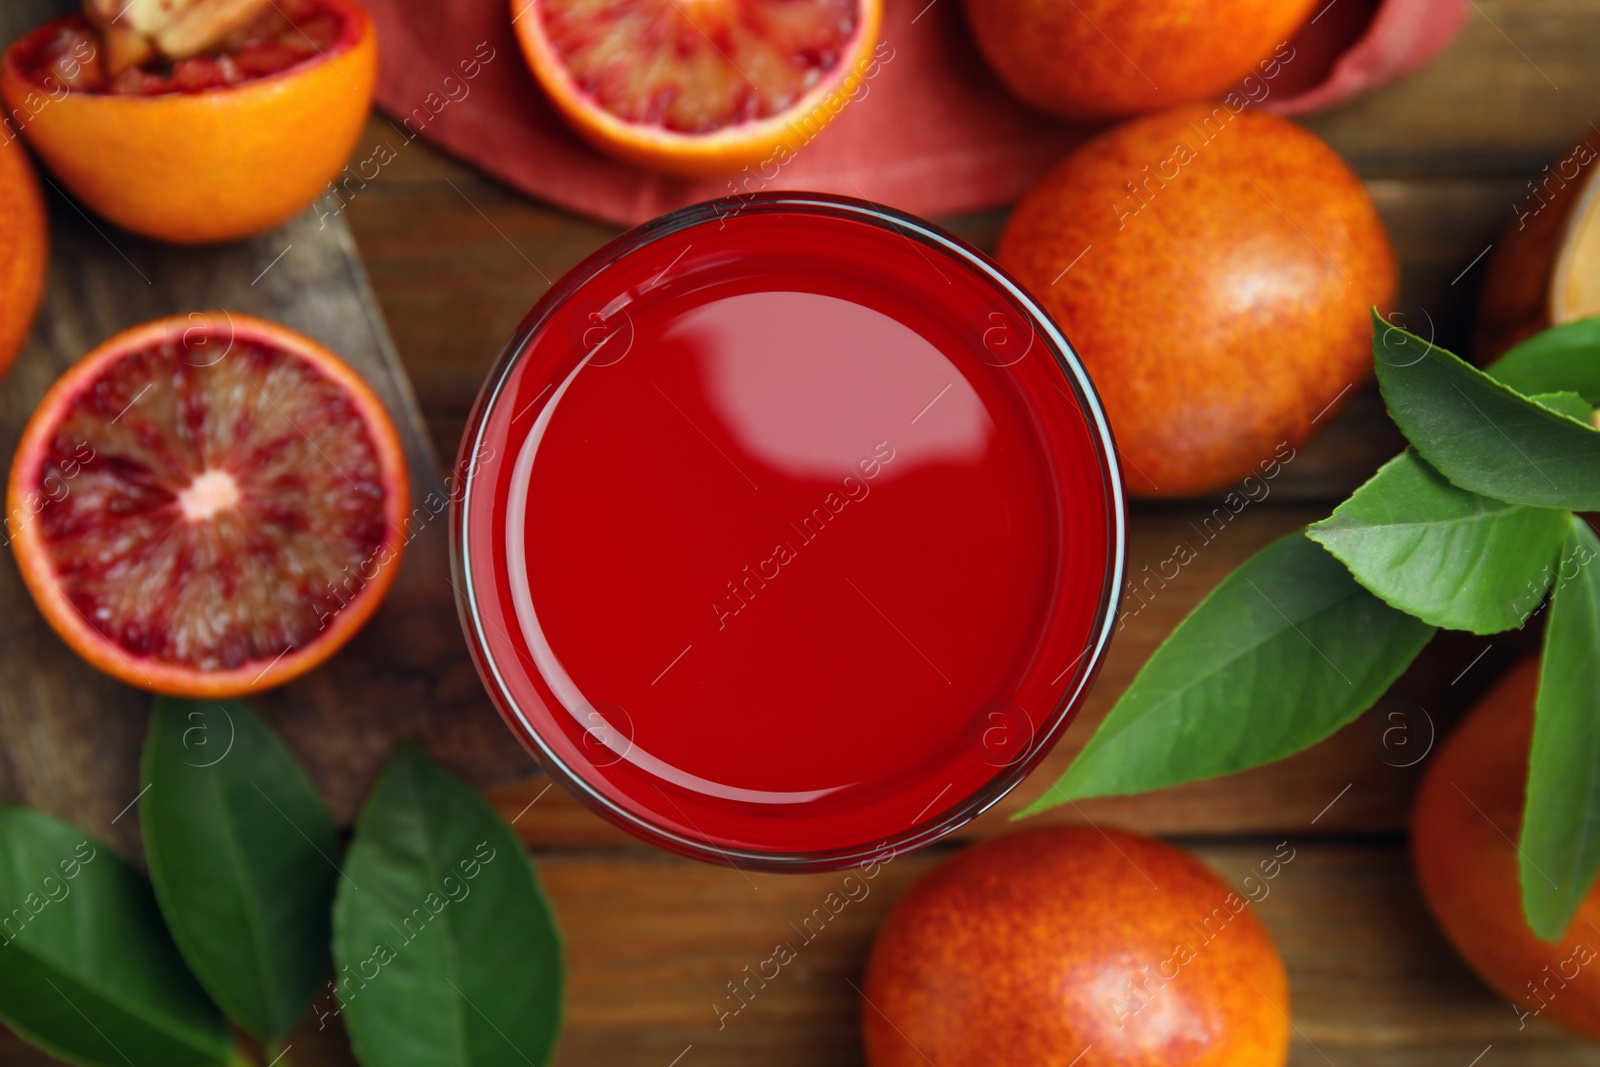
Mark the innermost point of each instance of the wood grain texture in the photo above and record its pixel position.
(1514, 89)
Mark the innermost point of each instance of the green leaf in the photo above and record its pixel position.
(1448, 556)
(1482, 435)
(1284, 652)
(1571, 405)
(446, 950)
(1559, 359)
(241, 853)
(87, 971)
(1561, 824)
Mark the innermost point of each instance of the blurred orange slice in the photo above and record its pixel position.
(700, 87)
(24, 247)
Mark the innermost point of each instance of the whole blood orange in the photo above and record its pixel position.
(208, 148)
(24, 247)
(1216, 271)
(1467, 818)
(1094, 59)
(208, 505)
(1072, 946)
(702, 87)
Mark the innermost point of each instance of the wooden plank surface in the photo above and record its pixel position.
(455, 261)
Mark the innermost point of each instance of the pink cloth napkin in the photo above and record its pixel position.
(933, 134)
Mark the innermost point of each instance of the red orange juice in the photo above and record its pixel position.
(789, 532)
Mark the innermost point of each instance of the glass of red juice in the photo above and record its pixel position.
(788, 532)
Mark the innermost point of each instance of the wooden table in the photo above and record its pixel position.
(456, 260)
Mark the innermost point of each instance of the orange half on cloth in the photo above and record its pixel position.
(929, 129)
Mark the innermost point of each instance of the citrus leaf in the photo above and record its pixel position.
(1284, 652)
(446, 950)
(1563, 358)
(87, 971)
(1569, 404)
(241, 853)
(1482, 435)
(1561, 824)
(1449, 556)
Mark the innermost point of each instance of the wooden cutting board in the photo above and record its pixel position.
(69, 737)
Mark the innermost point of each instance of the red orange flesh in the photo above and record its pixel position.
(702, 87)
(208, 505)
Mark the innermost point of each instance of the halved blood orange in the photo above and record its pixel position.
(699, 87)
(206, 148)
(208, 505)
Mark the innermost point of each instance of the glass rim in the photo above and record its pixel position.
(1008, 776)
